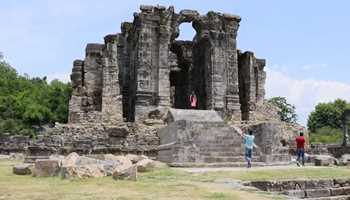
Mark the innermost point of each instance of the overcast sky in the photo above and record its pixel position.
(306, 43)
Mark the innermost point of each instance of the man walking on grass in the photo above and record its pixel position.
(248, 145)
(300, 141)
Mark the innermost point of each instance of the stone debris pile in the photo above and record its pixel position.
(76, 166)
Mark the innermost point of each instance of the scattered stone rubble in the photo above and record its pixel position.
(75, 166)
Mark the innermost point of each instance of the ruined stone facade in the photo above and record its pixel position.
(144, 68)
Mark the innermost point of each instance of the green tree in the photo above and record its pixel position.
(286, 110)
(26, 101)
(327, 114)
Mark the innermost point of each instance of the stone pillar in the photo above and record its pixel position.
(93, 76)
(247, 84)
(260, 80)
(111, 97)
(164, 68)
(153, 26)
(233, 107)
(77, 81)
(143, 63)
(221, 62)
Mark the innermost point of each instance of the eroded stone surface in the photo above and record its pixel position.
(23, 169)
(47, 167)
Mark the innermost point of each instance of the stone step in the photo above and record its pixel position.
(222, 153)
(223, 159)
(226, 154)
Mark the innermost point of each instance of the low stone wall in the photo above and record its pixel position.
(86, 139)
(307, 189)
(336, 150)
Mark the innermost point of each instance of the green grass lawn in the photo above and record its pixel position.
(165, 183)
(160, 184)
(280, 173)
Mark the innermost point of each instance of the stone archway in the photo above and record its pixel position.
(190, 73)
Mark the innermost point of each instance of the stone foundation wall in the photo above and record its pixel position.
(85, 139)
(336, 150)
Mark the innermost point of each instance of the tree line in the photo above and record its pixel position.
(28, 103)
(325, 123)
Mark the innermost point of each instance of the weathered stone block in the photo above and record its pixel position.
(23, 169)
(126, 173)
(114, 131)
(44, 168)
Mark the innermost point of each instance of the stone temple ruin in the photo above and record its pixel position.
(131, 94)
(146, 67)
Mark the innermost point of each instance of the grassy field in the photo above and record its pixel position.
(161, 184)
(164, 183)
(279, 173)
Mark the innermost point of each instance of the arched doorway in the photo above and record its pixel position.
(189, 72)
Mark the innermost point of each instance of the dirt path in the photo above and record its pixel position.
(223, 169)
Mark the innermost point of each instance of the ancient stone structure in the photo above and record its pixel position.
(144, 67)
(131, 94)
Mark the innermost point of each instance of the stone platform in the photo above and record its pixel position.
(193, 115)
(202, 138)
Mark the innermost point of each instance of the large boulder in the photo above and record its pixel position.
(71, 159)
(46, 167)
(23, 169)
(111, 162)
(83, 171)
(325, 160)
(123, 160)
(145, 165)
(125, 173)
(135, 158)
(345, 159)
(82, 167)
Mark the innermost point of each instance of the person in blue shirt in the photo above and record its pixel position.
(248, 145)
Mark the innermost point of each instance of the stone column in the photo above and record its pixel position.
(164, 68)
(153, 26)
(111, 97)
(93, 76)
(247, 83)
(77, 81)
(233, 107)
(260, 80)
(143, 64)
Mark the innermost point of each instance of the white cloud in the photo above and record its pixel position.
(305, 94)
(314, 67)
(61, 77)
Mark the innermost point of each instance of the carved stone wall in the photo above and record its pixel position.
(145, 68)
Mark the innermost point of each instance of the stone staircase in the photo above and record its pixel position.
(331, 189)
(223, 144)
(200, 138)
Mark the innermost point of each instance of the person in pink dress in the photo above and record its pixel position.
(193, 100)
